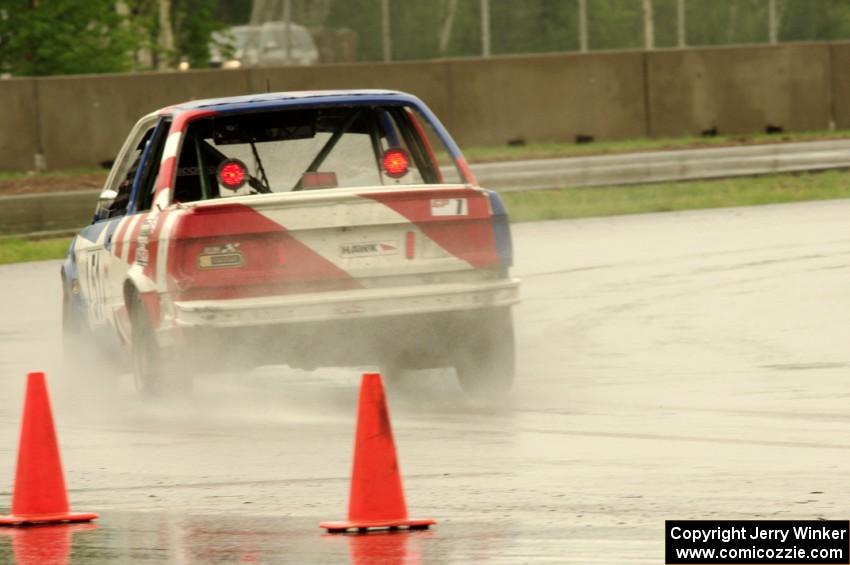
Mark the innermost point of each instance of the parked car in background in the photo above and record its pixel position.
(269, 44)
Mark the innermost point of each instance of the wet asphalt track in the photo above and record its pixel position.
(687, 365)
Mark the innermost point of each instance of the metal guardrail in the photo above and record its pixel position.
(55, 211)
(664, 166)
(70, 210)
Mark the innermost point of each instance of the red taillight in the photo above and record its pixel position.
(396, 162)
(232, 173)
(410, 245)
(280, 253)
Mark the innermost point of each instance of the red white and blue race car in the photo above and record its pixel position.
(327, 228)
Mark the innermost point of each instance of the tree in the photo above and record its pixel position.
(266, 11)
(176, 30)
(195, 22)
(446, 28)
(165, 35)
(64, 37)
(615, 24)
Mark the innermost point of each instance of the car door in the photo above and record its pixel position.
(101, 271)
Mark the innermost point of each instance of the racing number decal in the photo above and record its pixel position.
(96, 290)
(449, 207)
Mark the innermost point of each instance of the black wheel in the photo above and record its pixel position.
(485, 365)
(157, 372)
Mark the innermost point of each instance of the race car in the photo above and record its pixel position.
(325, 228)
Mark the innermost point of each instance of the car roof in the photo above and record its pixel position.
(273, 100)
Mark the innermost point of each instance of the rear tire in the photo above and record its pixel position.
(157, 372)
(486, 364)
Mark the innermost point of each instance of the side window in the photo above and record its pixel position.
(152, 161)
(123, 173)
(125, 187)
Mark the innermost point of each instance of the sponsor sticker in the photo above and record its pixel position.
(449, 207)
(369, 249)
(142, 254)
(147, 227)
(221, 257)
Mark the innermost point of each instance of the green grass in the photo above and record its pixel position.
(15, 175)
(616, 200)
(18, 250)
(548, 150)
(585, 202)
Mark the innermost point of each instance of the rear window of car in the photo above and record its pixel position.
(310, 149)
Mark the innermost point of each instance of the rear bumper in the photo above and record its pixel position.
(345, 305)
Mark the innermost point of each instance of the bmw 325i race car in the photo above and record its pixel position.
(328, 228)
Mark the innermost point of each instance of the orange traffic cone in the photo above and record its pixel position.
(387, 548)
(45, 544)
(376, 498)
(39, 496)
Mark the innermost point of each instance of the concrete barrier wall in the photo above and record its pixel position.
(541, 98)
(18, 124)
(739, 90)
(840, 74)
(547, 98)
(82, 120)
(428, 79)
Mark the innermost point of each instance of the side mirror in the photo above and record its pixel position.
(104, 204)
